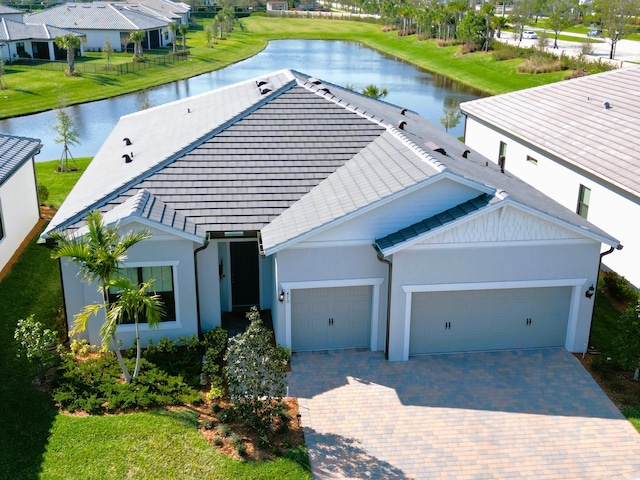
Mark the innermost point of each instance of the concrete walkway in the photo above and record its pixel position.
(521, 414)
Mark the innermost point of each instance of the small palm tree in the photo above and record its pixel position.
(70, 43)
(173, 28)
(374, 91)
(183, 33)
(137, 37)
(135, 303)
(99, 254)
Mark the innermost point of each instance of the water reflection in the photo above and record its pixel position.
(340, 63)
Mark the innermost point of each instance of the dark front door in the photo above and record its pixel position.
(245, 274)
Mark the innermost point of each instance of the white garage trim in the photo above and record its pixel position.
(354, 282)
(576, 283)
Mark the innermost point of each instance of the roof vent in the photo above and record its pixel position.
(126, 141)
(266, 88)
(323, 89)
(403, 111)
(435, 147)
(261, 81)
(402, 124)
(314, 80)
(127, 158)
(606, 105)
(466, 153)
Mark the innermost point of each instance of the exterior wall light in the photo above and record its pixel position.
(590, 291)
(281, 296)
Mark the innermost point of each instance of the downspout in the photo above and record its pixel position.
(386, 340)
(195, 269)
(595, 295)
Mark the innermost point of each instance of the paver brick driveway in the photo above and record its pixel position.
(517, 414)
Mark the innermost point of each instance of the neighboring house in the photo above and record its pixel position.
(11, 13)
(20, 40)
(171, 11)
(101, 21)
(277, 5)
(577, 142)
(19, 209)
(357, 223)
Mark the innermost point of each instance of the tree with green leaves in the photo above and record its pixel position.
(627, 342)
(137, 37)
(487, 11)
(472, 29)
(107, 51)
(451, 115)
(133, 303)
(99, 254)
(3, 84)
(67, 135)
(560, 16)
(374, 91)
(615, 18)
(69, 42)
(34, 343)
(521, 15)
(183, 33)
(256, 374)
(173, 28)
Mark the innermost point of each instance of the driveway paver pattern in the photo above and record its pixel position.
(516, 414)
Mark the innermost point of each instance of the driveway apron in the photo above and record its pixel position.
(516, 414)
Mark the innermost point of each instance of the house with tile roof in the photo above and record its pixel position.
(37, 41)
(102, 21)
(10, 13)
(19, 206)
(577, 142)
(357, 223)
(167, 9)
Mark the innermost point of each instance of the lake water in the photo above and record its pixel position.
(340, 63)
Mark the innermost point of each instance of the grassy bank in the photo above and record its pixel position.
(31, 90)
(59, 184)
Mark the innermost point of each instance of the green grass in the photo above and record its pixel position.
(605, 326)
(32, 90)
(37, 442)
(633, 415)
(59, 184)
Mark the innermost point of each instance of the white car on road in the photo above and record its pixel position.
(529, 34)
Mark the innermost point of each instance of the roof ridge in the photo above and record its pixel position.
(119, 12)
(417, 149)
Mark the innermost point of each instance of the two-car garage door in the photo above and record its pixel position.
(330, 318)
(458, 321)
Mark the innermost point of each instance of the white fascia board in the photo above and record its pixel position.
(158, 226)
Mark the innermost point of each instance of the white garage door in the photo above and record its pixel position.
(330, 318)
(489, 319)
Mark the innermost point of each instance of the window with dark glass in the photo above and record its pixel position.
(502, 156)
(584, 197)
(162, 286)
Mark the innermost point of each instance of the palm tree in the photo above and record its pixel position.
(173, 28)
(183, 33)
(137, 37)
(99, 254)
(133, 303)
(70, 43)
(374, 91)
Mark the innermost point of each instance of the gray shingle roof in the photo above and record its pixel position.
(13, 31)
(288, 162)
(6, 9)
(160, 8)
(568, 119)
(14, 152)
(96, 16)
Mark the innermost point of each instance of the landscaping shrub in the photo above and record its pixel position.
(182, 357)
(215, 343)
(35, 343)
(619, 287)
(540, 64)
(448, 43)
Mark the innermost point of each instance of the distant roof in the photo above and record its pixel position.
(13, 31)
(160, 8)
(96, 16)
(284, 154)
(572, 122)
(14, 152)
(6, 10)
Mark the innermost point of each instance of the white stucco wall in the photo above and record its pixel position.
(541, 264)
(19, 210)
(97, 38)
(209, 287)
(610, 209)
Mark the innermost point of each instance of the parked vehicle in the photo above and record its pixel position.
(529, 34)
(594, 33)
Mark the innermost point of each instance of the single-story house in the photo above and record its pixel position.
(24, 40)
(166, 9)
(277, 5)
(10, 13)
(357, 223)
(577, 142)
(19, 206)
(102, 21)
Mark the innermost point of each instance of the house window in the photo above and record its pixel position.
(162, 285)
(502, 157)
(20, 49)
(584, 197)
(530, 159)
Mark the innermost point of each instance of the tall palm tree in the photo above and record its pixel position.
(173, 28)
(70, 43)
(134, 303)
(137, 37)
(183, 33)
(99, 254)
(374, 91)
